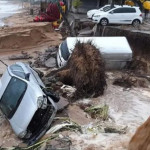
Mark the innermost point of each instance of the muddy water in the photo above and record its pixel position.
(127, 108)
(8, 8)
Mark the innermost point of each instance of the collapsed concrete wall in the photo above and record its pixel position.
(139, 42)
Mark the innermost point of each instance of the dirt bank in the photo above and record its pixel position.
(24, 37)
(139, 42)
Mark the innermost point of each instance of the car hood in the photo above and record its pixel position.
(93, 11)
(100, 13)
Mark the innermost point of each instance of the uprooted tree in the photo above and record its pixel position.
(85, 70)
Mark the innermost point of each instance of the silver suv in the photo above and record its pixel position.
(26, 104)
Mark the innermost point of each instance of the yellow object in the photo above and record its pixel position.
(146, 5)
(130, 3)
(55, 24)
(63, 9)
(142, 1)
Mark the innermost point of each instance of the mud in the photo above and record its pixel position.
(127, 109)
(24, 38)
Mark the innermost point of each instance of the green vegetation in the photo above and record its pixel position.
(76, 4)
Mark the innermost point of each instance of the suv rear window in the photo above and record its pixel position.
(12, 96)
(124, 10)
(17, 70)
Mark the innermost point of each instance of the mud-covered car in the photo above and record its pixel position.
(27, 105)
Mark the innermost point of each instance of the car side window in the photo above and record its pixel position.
(17, 70)
(124, 10)
(118, 10)
(130, 10)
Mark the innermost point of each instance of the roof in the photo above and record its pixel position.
(105, 44)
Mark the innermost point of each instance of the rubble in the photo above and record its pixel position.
(24, 55)
(51, 62)
(98, 112)
(130, 80)
(108, 127)
(111, 129)
(62, 104)
(47, 59)
(68, 90)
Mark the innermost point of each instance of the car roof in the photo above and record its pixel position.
(128, 6)
(119, 6)
(106, 44)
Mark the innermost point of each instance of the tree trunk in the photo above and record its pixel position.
(66, 20)
(112, 4)
(139, 3)
(123, 1)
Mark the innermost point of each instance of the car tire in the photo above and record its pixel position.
(104, 22)
(136, 23)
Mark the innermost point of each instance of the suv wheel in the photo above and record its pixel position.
(104, 22)
(136, 23)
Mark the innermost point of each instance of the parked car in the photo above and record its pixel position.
(25, 102)
(122, 15)
(105, 8)
(115, 50)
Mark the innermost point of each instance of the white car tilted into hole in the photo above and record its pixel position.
(122, 15)
(115, 50)
(26, 104)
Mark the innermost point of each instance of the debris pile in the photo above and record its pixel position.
(129, 80)
(85, 70)
(48, 59)
(24, 55)
(100, 112)
(139, 65)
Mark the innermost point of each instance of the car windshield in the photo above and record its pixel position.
(64, 50)
(107, 8)
(12, 96)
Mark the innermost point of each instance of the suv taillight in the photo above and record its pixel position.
(141, 15)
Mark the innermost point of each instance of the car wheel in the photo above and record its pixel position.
(136, 23)
(104, 22)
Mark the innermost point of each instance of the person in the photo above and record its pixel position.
(146, 11)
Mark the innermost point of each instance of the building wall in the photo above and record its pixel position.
(88, 4)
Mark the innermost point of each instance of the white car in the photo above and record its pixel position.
(26, 104)
(122, 15)
(116, 51)
(105, 8)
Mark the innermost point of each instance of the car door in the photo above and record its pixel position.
(128, 15)
(115, 16)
